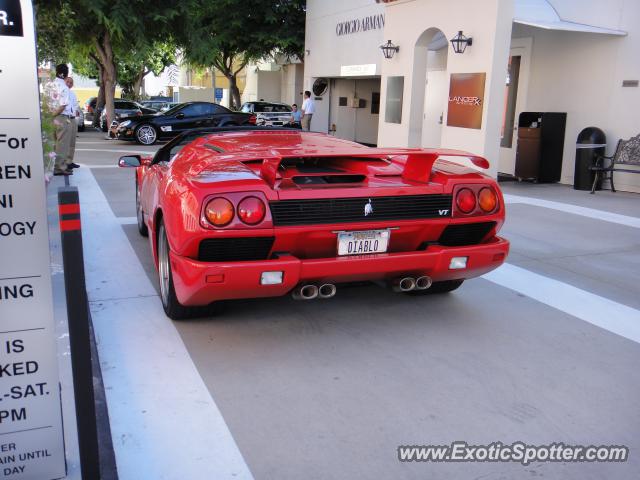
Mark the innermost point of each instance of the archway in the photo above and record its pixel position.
(429, 89)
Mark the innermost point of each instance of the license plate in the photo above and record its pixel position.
(362, 243)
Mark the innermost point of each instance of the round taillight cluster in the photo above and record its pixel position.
(487, 200)
(220, 211)
(467, 200)
(251, 210)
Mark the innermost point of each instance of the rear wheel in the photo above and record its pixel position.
(146, 135)
(438, 287)
(142, 227)
(172, 307)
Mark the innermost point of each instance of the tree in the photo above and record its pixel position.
(228, 34)
(111, 26)
(134, 65)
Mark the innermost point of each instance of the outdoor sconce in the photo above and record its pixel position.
(460, 42)
(389, 49)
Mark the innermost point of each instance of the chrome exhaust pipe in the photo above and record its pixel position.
(327, 290)
(422, 283)
(305, 292)
(405, 284)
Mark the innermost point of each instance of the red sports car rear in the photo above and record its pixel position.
(259, 213)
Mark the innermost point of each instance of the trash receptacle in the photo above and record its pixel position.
(591, 143)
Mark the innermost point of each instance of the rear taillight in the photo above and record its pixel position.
(251, 210)
(487, 199)
(466, 200)
(253, 119)
(219, 212)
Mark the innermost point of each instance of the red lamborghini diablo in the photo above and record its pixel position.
(247, 212)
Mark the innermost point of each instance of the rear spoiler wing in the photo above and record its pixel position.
(417, 163)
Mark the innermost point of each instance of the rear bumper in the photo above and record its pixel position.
(200, 283)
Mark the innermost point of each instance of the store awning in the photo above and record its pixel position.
(541, 14)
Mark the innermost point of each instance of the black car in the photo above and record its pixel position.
(148, 129)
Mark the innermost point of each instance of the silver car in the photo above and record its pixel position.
(123, 109)
(269, 114)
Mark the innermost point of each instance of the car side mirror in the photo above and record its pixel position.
(180, 115)
(130, 161)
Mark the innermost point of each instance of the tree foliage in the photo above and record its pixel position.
(228, 34)
(109, 29)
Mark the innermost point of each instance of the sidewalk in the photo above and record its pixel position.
(164, 423)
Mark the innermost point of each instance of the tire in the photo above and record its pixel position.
(438, 287)
(172, 307)
(146, 134)
(103, 126)
(142, 227)
(81, 127)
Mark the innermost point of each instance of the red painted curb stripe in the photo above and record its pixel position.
(69, 208)
(69, 225)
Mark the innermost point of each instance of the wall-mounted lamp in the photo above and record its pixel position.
(389, 49)
(460, 42)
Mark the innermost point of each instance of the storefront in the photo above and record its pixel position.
(545, 56)
(343, 67)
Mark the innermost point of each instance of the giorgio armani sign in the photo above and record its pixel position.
(363, 24)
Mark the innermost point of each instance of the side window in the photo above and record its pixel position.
(246, 108)
(193, 110)
(217, 109)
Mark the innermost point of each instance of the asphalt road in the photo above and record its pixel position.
(330, 389)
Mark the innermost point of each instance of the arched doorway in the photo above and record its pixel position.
(429, 90)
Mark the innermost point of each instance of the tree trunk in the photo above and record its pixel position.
(136, 94)
(100, 99)
(234, 92)
(109, 73)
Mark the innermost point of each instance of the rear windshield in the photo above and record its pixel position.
(269, 107)
(126, 105)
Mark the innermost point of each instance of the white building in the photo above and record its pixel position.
(578, 57)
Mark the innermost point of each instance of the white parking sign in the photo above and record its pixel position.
(31, 442)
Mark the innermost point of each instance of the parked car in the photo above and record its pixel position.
(80, 120)
(251, 212)
(145, 109)
(123, 109)
(89, 110)
(169, 106)
(157, 103)
(147, 129)
(268, 113)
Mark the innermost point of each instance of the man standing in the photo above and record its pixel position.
(308, 109)
(60, 107)
(75, 112)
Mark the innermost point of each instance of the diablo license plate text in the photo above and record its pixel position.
(360, 243)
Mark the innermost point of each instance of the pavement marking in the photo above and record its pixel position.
(115, 151)
(599, 311)
(111, 165)
(576, 210)
(156, 397)
(127, 220)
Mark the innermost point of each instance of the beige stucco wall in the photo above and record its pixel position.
(582, 74)
(489, 24)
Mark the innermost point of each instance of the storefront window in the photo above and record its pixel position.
(393, 110)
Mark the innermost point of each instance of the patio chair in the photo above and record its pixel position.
(627, 153)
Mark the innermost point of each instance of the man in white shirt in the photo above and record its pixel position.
(60, 106)
(75, 112)
(308, 109)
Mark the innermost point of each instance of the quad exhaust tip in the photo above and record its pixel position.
(405, 284)
(422, 283)
(305, 292)
(327, 290)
